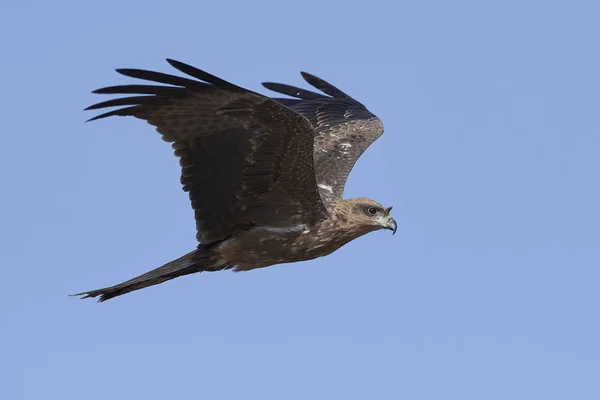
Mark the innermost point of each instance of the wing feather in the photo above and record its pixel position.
(245, 159)
(344, 129)
(292, 91)
(141, 89)
(324, 86)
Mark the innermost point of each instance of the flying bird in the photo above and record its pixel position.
(265, 176)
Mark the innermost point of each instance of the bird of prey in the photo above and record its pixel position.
(265, 176)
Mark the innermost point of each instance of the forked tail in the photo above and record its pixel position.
(195, 261)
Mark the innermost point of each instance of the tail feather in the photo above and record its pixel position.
(195, 261)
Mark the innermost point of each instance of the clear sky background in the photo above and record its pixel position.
(489, 290)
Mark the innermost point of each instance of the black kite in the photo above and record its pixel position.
(265, 175)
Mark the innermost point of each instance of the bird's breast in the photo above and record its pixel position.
(263, 246)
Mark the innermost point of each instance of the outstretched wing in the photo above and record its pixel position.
(344, 129)
(246, 160)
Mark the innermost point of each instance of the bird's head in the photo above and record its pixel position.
(366, 215)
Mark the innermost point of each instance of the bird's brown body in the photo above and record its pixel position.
(265, 176)
(265, 246)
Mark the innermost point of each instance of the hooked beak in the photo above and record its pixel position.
(391, 225)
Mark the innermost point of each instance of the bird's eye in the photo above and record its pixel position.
(372, 210)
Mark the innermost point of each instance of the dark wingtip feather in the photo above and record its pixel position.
(292, 91)
(160, 77)
(97, 117)
(141, 89)
(199, 74)
(122, 112)
(324, 86)
(128, 101)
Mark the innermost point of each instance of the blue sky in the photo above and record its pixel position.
(489, 290)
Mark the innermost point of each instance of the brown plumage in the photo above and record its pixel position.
(265, 175)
